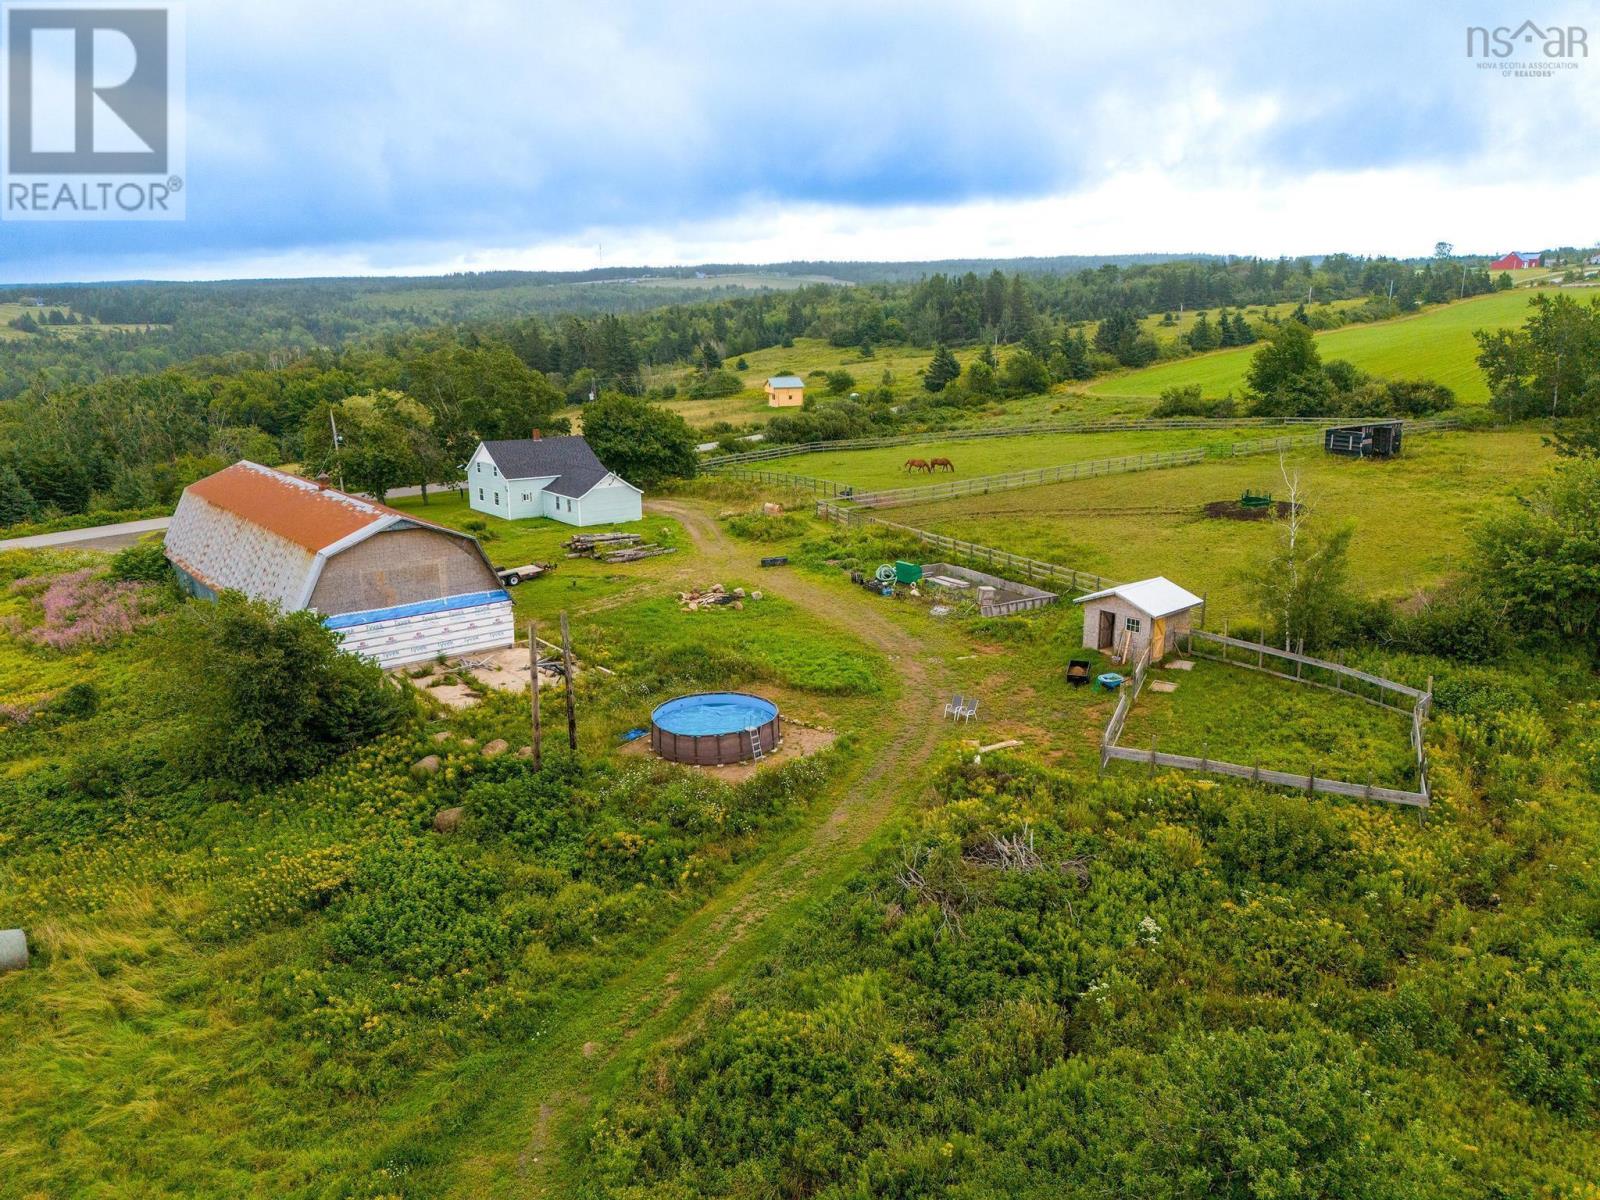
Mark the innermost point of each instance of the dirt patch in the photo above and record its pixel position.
(1232, 510)
(503, 670)
(799, 741)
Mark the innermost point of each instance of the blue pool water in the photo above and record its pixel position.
(714, 712)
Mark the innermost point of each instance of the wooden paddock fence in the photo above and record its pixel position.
(992, 559)
(982, 485)
(798, 483)
(1124, 425)
(1421, 705)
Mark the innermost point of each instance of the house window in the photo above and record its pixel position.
(480, 493)
(497, 499)
(1132, 624)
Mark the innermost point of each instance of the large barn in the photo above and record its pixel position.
(397, 589)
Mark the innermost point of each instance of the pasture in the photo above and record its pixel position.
(1411, 515)
(1435, 344)
(885, 467)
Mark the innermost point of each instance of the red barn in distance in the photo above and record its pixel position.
(1515, 262)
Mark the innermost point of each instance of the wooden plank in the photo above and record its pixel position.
(1211, 766)
(1324, 664)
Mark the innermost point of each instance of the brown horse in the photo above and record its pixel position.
(916, 464)
(940, 464)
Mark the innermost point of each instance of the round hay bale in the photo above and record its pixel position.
(424, 767)
(496, 748)
(448, 820)
(13, 950)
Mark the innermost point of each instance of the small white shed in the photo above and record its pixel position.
(1121, 621)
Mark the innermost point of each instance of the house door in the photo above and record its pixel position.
(1108, 630)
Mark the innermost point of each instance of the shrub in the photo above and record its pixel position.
(265, 695)
(766, 527)
(143, 562)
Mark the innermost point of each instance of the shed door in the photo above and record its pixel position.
(1158, 639)
(1108, 630)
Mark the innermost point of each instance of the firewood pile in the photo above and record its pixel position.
(715, 596)
(589, 545)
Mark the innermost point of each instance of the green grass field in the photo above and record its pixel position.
(1242, 716)
(1184, 321)
(1436, 344)
(806, 356)
(885, 468)
(1411, 515)
(576, 581)
(10, 312)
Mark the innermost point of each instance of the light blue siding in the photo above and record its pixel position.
(609, 504)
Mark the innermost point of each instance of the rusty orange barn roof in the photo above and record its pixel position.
(297, 510)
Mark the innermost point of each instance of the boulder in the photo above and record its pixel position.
(496, 748)
(739, 592)
(525, 752)
(755, 596)
(424, 767)
(442, 736)
(448, 820)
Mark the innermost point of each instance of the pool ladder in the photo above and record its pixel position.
(755, 743)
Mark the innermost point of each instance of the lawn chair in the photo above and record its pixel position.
(953, 709)
(970, 711)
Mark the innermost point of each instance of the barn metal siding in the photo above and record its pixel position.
(400, 566)
(221, 549)
(411, 633)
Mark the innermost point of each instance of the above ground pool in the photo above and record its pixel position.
(715, 728)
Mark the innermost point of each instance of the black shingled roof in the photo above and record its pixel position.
(569, 458)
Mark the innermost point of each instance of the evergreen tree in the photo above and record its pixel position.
(16, 501)
(942, 371)
(1204, 335)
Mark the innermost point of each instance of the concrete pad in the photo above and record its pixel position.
(1179, 664)
(1162, 685)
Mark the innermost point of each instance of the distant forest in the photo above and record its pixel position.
(191, 375)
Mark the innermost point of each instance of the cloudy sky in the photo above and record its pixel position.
(410, 136)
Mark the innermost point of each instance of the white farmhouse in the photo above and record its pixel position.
(557, 477)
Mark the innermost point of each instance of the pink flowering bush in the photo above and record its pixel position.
(82, 608)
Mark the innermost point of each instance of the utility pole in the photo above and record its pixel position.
(533, 689)
(338, 459)
(566, 669)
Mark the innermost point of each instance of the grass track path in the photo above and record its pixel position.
(521, 1135)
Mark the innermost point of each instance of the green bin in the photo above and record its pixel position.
(905, 572)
